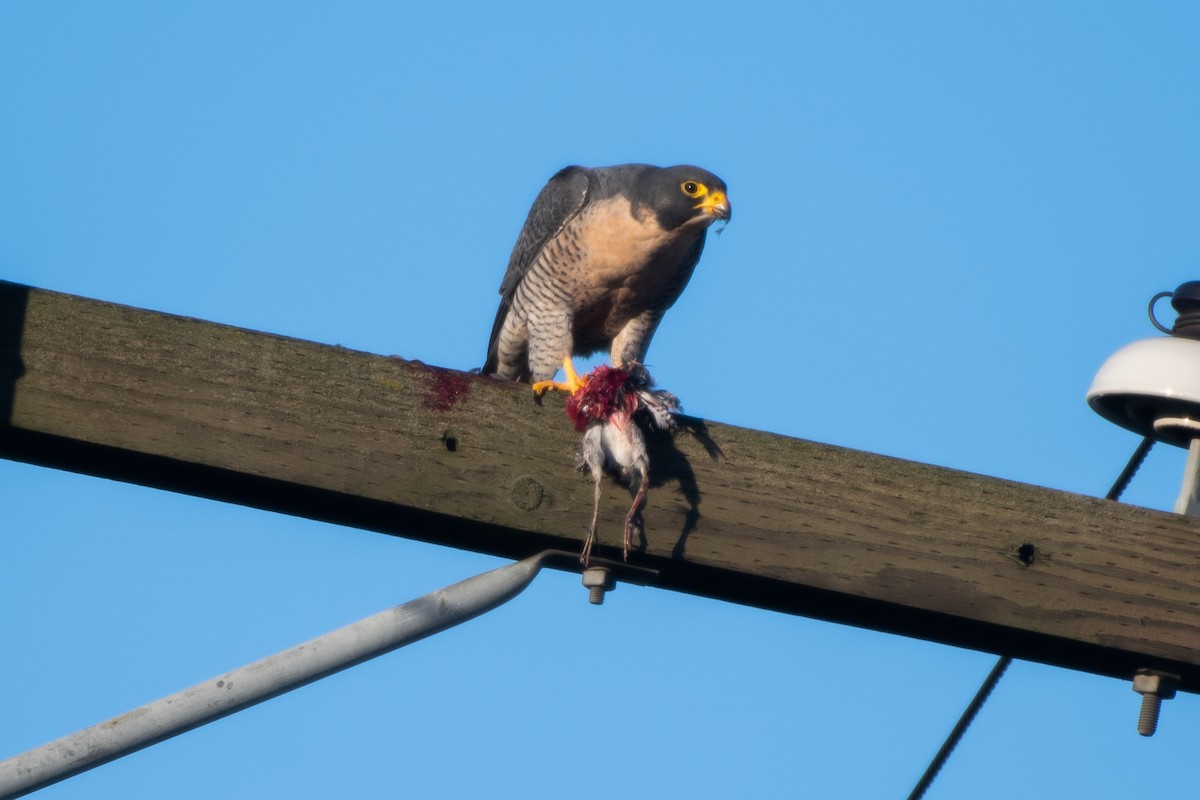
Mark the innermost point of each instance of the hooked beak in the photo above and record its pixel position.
(717, 204)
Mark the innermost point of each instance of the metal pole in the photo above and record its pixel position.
(1189, 495)
(262, 680)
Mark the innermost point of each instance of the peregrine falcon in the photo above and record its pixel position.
(603, 254)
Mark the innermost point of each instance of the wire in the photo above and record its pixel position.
(989, 683)
(1154, 320)
(1135, 461)
(960, 728)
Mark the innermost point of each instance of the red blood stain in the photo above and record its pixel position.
(606, 393)
(446, 390)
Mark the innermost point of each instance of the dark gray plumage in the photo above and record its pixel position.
(603, 254)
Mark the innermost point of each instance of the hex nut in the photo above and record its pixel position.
(1154, 683)
(597, 580)
(597, 576)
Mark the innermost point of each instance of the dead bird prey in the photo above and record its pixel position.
(610, 408)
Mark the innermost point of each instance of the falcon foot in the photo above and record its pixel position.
(571, 383)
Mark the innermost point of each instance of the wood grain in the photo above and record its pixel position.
(736, 514)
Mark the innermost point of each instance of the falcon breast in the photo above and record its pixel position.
(603, 254)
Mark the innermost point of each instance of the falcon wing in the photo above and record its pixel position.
(557, 204)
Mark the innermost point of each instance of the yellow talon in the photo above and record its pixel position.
(571, 383)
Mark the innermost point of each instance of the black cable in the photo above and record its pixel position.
(989, 683)
(964, 722)
(1135, 461)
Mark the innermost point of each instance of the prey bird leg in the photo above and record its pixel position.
(635, 510)
(586, 556)
(591, 459)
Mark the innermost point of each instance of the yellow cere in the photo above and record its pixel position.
(712, 202)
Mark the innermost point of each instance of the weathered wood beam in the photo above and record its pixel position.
(736, 514)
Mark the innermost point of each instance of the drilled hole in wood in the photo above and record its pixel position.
(1027, 553)
(451, 443)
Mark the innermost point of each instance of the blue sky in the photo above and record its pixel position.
(947, 215)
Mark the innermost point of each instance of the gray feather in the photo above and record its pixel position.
(557, 204)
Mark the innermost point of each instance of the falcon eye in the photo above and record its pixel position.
(693, 189)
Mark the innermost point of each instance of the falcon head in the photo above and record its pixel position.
(683, 195)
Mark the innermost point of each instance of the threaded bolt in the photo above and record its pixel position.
(1148, 718)
(598, 581)
(1154, 687)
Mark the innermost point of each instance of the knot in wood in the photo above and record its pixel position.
(527, 493)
